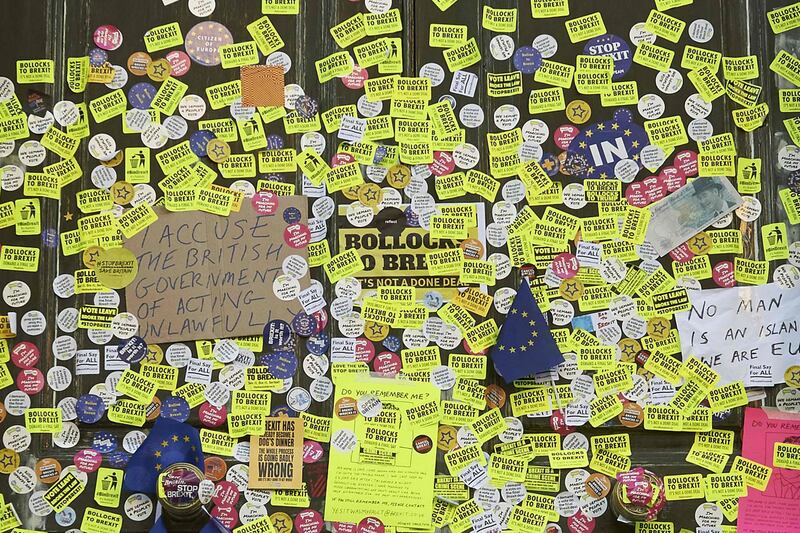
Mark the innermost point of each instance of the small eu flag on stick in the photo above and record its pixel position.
(525, 345)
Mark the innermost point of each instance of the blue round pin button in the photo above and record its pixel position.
(318, 343)
(132, 350)
(141, 95)
(90, 408)
(175, 408)
(198, 142)
(527, 59)
(104, 442)
(277, 332)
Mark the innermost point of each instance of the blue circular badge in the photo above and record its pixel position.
(550, 164)
(264, 359)
(380, 154)
(198, 142)
(104, 442)
(283, 410)
(392, 343)
(118, 459)
(292, 215)
(132, 350)
(98, 57)
(175, 408)
(50, 238)
(527, 59)
(306, 106)
(412, 219)
(318, 343)
(275, 142)
(283, 365)
(615, 47)
(277, 332)
(599, 147)
(141, 95)
(304, 324)
(90, 408)
(794, 181)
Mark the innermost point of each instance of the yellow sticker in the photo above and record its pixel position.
(666, 132)
(706, 83)
(621, 93)
(653, 56)
(542, 9)
(333, 66)
(785, 18)
(108, 487)
(108, 106)
(344, 264)
(161, 37)
(683, 487)
(786, 455)
(43, 420)
(662, 418)
(609, 462)
(723, 486)
(750, 271)
(36, 71)
(349, 31)
(499, 20)
(99, 521)
(665, 26)
(575, 458)
(22, 258)
(554, 73)
(755, 474)
(787, 66)
(462, 56)
(584, 28)
(740, 68)
(750, 119)
(447, 35)
(604, 409)
(695, 57)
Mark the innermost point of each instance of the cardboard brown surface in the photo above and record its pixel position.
(203, 276)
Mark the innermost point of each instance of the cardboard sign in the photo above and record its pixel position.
(276, 457)
(203, 276)
(742, 331)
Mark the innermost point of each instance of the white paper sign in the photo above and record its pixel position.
(734, 329)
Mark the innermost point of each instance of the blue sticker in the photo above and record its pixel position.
(118, 459)
(132, 350)
(412, 219)
(283, 365)
(550, 164)
(318, 343)
(277, 332)
(104, 442)
(198, 142)
(90, 408)
(304, 324)
(615, 47)
(98, 57)
(275, 142)
(433, 300)
(292, 215)
(50, 238)
(265, 359)
(380, 154)
(175, 408)
(392, 343)
(597, 149)
(583, 322)
(306, 107)
(794, 181)
(527, 59)
(141, 95)
(283, 410)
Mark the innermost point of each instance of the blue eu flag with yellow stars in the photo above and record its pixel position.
(524, 345)
(169, 442)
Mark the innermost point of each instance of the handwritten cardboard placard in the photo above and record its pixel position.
(276, 457)
(743, 333)
(203, 276)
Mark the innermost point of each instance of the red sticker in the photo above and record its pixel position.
(559, 424)
(180, 62)
(365, 350)
(673, 178)
(25, 355)
(443, 164)
(681, 253)
(423, 444)
(723, 274)
(387, 364)
(340, 159)
(355, 80)
(312, 451)
(581, 523)
(297, 235)
(30, 381)
(344, 527)
(212, 416)
(564, 135)
(225, 494)
(686, 161)
(108, 37)
(265, 202)
(635, 194)
(88, 460)
(565, 265)
(308, 521)
(227, 515)
(654, 188)
(370, 525)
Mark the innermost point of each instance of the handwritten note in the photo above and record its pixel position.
(203, 276)
(744, 333)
